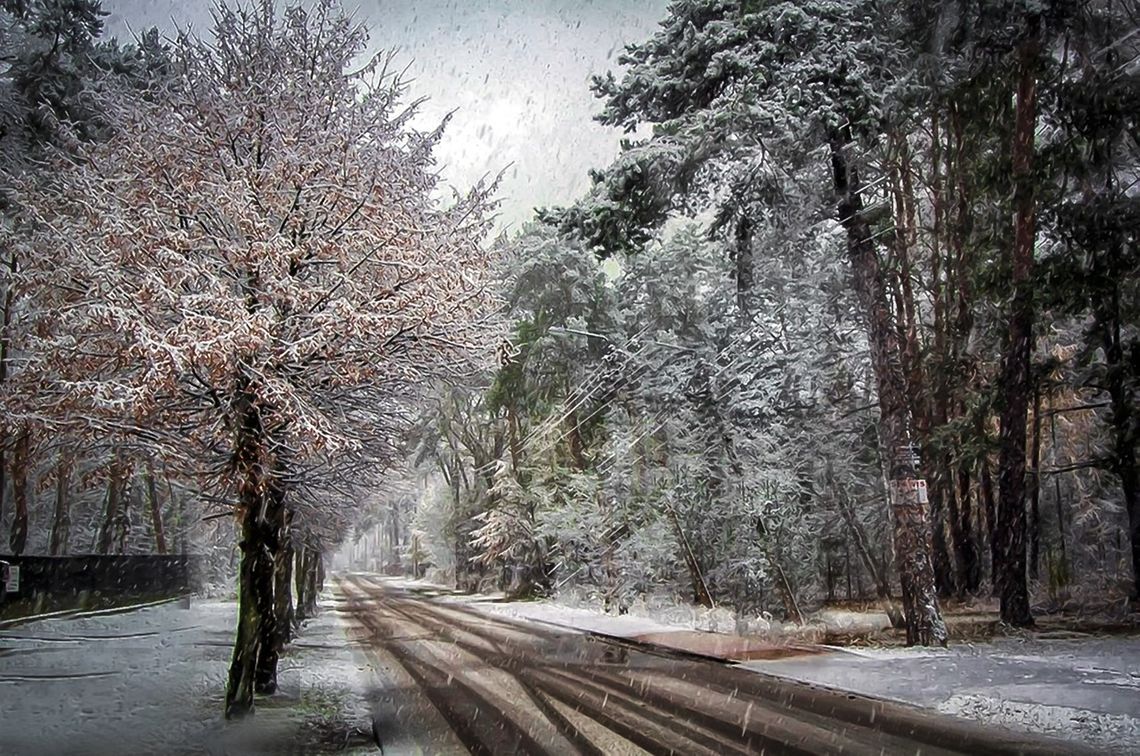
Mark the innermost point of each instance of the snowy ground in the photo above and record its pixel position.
(151, 681)
(1087, 690)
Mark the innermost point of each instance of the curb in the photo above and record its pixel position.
(83, 613)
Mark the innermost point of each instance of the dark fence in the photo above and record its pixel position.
(103, 575)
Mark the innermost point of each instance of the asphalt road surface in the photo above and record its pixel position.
(466, 681)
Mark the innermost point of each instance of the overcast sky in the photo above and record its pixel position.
(517, 71)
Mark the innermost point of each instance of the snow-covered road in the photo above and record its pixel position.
(1086, 690)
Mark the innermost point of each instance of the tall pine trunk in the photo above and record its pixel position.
(1123, 421)
(965, 544)
(924, 622)
(986, 491)
(1010, 536)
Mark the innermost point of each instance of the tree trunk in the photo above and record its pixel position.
(911, 525)
(255, 570)
(986, 490)
(1010, 571)
(276, 622)
(251, 611)
(155, 510)
(61, 517)
(300, 555)
(5, 338)
(1130, 480)
(701, 593)
(784, 587)
(319, 578)
(308, 581)
(1124, 425)
(268, 650)
(123, 521)
(18, 536)
(745, 266)
(1035, 490)
(111, 513)
(3, 471)
(943, 568)
(283, 589)
(965, 543)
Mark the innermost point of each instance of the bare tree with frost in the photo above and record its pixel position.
(254, 271)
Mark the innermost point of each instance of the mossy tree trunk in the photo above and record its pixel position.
(255, 566)
(255, 570)
(273, 587)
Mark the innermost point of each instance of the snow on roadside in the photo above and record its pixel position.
(585, 620)
(1084, 690)
(1119, 732)
(652, 614)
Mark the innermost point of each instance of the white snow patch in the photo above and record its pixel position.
(902, 652)
(584, 620)
(1120, 732)
(843, 620)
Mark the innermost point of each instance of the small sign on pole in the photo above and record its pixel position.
(917, 486)
(13, 579)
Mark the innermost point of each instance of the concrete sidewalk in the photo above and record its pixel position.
(152, 681)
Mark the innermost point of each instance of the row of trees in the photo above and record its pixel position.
(232, 281)
(855, 247)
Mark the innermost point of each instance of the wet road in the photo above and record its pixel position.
(489, 685)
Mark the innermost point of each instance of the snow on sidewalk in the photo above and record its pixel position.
(152, 681)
